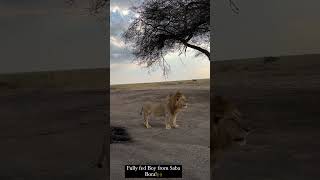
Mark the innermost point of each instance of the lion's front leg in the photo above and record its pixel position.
(174, 121)
(167, 120)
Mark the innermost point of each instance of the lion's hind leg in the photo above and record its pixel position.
(146, 117)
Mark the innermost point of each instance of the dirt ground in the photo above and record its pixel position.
(57, 134)
(51, 134)
(281, 102)
(187, 146)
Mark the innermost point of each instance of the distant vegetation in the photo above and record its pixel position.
(270, 59)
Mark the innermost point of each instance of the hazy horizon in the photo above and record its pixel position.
(268, 28)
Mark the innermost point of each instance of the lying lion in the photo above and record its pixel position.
(227, 129)
(227, 125)
(167, 108)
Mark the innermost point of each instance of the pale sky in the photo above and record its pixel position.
(266, 28)
(123, 71)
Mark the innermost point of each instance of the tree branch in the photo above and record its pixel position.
(207, 53)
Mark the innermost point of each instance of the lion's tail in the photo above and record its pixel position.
(141, 110)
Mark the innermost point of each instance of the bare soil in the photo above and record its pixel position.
(187, 146)
(51, 134)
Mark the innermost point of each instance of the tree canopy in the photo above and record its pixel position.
(163, 26)
(95, 7)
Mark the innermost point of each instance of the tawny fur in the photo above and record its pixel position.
(168, 108)
(226, 128)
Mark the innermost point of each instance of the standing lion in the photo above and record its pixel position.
(167, 108)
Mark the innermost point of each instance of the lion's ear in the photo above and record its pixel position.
(178, 92)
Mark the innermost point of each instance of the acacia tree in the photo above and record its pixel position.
(95, 6)
(164, 26)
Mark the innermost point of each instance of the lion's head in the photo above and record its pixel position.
(177, 102)
(228, 128)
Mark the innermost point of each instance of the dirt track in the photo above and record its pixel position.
(187, 146)
(51, 134)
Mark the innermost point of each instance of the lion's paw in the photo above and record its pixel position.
(147, 126)
(176, 126)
